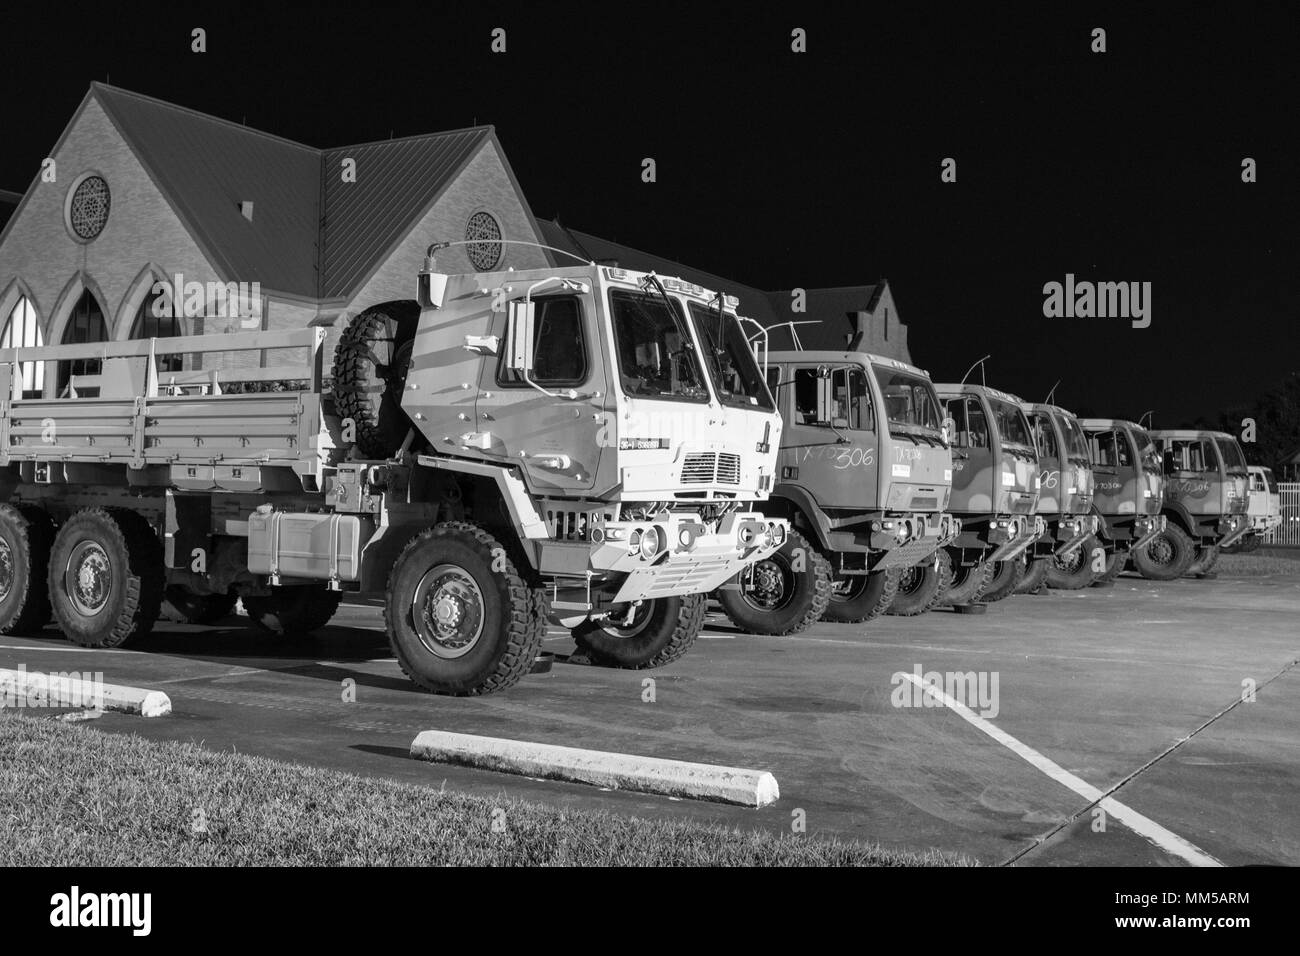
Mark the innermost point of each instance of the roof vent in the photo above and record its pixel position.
(246, 210)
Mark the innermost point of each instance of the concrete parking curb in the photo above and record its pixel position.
(55, 690)
(675, 778)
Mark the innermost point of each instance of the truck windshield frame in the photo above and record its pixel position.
(922, 418)
(1012, 426)
(1147, 452)
(1230, 456)
(654, 350)
(1076, 443)
(730, 360)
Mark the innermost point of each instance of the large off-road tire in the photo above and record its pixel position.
(105, 577)
(292, 610)
(26, 536)
(1204, 562)
(461, 619)
(969, 582)
(1007, 576)
(369, 377)
(1034, 579)
(661, 630)
(856, 598)
(922, 586)
(781, 594)
(1246, 545)
(1166, 556)
(1116, 562)
(190, 608)
(1073, 572)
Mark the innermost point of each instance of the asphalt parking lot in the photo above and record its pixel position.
(1105, 686)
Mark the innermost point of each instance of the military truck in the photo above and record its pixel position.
(577, 443)
(1206, 491)
(1264, 509)
(994, 492)
(1061, 557)
(864, 479)
(1128, 493)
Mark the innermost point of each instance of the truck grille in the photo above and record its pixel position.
(711, 468)
(567, 525)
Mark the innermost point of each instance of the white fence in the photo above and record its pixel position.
(1289, 531)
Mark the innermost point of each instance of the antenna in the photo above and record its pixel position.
(1048, 399)
(1144, 415)
(972, 368)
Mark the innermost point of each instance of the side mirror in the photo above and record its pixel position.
(520, 324)
(430, 287)
(947, 429)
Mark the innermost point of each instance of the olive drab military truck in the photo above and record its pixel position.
(1128, 492)
(994, 491)
(1206, 491)
(568, 442)
(1062, 556)
(1264, 510)
(864, 478)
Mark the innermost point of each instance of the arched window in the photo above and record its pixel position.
(85, 324)
(156, 320)
(23, 330)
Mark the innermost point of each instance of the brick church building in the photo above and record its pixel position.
(139, 192)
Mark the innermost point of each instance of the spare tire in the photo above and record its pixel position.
(369, 377)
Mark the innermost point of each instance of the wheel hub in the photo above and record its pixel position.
(1160, 551)
(768, 590)
(448, 611)
(88, 578)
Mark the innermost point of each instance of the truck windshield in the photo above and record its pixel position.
(1233, 460)
(729, 359)
(1075, 443)
(1012, 426)
(911, 405)
(656, 357)
(1147, 452)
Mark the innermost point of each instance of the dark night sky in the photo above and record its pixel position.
(812, 170)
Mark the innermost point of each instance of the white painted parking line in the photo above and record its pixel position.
(1166, 840)
(675, 778)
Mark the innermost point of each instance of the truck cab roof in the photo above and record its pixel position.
(823, 355)
(1187, 433)
(967, 388)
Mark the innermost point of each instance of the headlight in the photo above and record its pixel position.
(778, 534)
(651, 543)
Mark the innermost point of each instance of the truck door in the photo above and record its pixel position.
(973, 474)
(553, 436)
(836, 459)
(1115, 471)
(1192, 470)
(1051, 470)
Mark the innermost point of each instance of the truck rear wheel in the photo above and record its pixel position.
(190, 608)
(1204, 562)
(660, 631)
(26, 535)
(369, 376)
(105, 577)
(293, 609)
(861, 597)
(1035, 577)
(921, 587)
(1074, 571)
(781, 594)
(1166, 556)
(969, 582)
(460, 618)
(1007, 576)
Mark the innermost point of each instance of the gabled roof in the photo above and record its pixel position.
(206, 166)
(834, 307)
(311, 234)
(397, 182)
(8, 204)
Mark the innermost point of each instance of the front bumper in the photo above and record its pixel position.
(1069, 532)
(691, 557)
(1146, 527)
(908, 540)
(1231, 528)
(1263, 524)
(1011, 536)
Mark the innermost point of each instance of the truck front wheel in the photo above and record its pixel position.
(1074, 571)
(1166, 556)
(1204, 562)
(1007, 576)
(657, 632)
(106, 577)
(781, 594)
(26, 534)
(460, 618)
(922, 586)
(861, 597)
(969, 582)
(1035, 578)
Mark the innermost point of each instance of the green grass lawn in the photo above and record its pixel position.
(71, 795)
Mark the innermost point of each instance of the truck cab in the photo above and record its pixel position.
(1206, 493)
(995, 488)
(1061, 556)
(1128, 490)
(1264, 509)
(864, 476)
